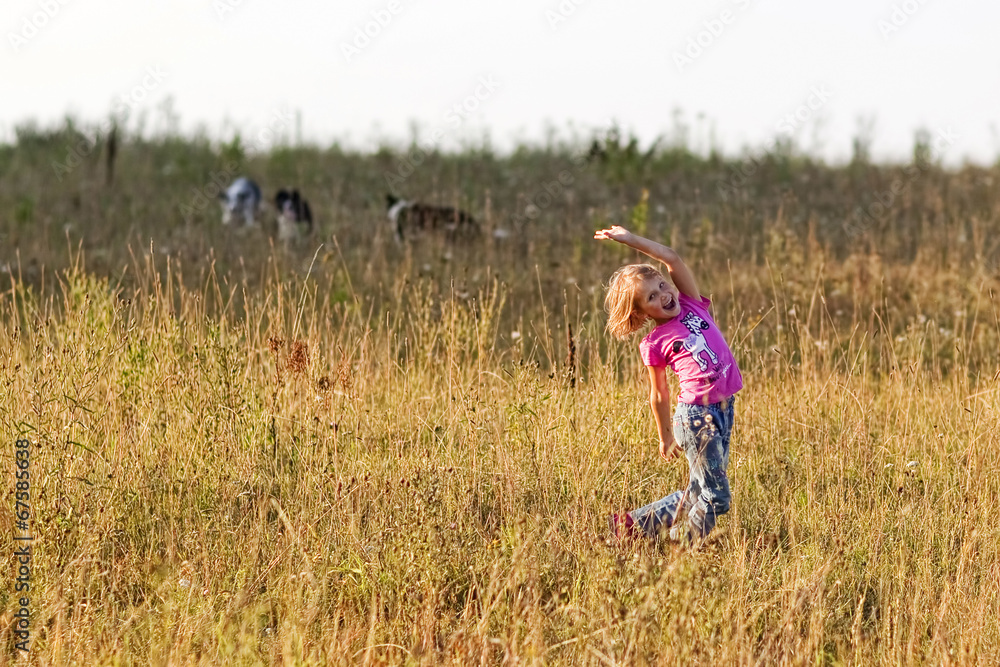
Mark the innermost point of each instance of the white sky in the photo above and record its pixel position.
(240, 64)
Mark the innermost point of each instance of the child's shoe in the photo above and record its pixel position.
(623, 528)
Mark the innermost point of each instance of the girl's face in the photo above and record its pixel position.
(656, 298)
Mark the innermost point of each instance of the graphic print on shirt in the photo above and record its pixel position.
(696, 343)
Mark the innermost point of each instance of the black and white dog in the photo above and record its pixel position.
(294, 215)
(409, 218)
(241, 198)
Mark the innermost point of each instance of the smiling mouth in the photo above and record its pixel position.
(670, 304)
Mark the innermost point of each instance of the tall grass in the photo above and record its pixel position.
(379, 454)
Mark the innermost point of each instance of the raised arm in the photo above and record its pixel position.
(679, 271)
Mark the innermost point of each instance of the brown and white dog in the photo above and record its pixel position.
(410, 218)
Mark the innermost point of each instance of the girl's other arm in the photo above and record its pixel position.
(659, 401)
(679, 271)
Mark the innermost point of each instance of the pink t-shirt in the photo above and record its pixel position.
(692, 345)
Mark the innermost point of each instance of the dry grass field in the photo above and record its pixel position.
(349, 451)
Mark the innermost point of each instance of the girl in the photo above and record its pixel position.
(685, 338)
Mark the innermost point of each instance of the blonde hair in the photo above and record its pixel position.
(624, 319)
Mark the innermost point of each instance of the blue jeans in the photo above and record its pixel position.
(703, 432)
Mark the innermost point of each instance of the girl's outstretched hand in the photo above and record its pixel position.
(614, 233)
